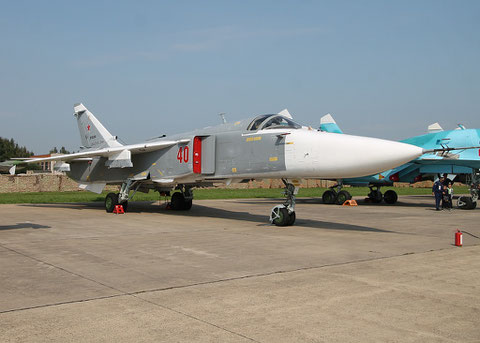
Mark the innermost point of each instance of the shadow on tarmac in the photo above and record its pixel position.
(212, 212)
(318, 201)
(23, 226)
(360, 202)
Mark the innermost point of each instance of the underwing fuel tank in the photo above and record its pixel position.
(314, 154)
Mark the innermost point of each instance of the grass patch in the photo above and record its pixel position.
(200, 194)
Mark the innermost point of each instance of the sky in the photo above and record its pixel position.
(146, 68)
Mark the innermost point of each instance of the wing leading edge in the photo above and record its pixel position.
(118, 157)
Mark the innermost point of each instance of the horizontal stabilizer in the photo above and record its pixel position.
(95, 187)
(328, 124)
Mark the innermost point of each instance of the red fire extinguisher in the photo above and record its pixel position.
(458, 238)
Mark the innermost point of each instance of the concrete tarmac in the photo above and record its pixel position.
(221, 273)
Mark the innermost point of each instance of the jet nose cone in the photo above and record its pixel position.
(384, 154)
(366, 156)
(341, 156)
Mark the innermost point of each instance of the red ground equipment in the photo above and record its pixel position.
(118, 209)
(458, 238)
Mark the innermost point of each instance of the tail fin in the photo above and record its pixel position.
(328, 124)
(92, 133)
(435, 127)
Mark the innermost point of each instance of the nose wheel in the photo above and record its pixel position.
(284, 214)
(281, 217)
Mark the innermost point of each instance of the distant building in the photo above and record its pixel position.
(46, 167)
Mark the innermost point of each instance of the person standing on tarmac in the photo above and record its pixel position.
(437, 190)
(450, 196)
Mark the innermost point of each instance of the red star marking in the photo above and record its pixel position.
(88, 127)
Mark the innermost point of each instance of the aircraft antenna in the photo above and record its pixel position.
(222, 115)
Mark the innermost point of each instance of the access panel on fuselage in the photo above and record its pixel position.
(208, 155)
(238, 154)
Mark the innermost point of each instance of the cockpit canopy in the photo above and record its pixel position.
(272, 121)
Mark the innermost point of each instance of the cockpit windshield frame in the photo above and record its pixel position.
(272, 121)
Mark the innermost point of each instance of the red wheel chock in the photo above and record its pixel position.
(118, 209)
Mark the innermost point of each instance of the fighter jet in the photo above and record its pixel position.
(265, 146)
(449, 158)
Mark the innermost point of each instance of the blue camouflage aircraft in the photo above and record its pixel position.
(462, 165)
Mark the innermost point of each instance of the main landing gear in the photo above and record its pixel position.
(113, 199)
(336, 196)
(376, 197)
(182, 201)
(470, 203)
(284, 215)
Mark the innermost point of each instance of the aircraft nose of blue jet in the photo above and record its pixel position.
(333, 155)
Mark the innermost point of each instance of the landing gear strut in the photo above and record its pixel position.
(112, 199)
(182, 201)
(284, 215)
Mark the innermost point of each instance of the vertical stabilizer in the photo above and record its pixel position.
(286, 114)
(92, 133)
(328, 124)
(435, 127)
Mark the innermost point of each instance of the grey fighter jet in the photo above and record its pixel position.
(266, 146)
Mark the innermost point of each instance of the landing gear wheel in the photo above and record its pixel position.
(110, 201)
(329, 197)
(187, 204)
(375, 196)
(280, 216)
(466, 203)
(284, 214)
(178, 201)
(342, 196)
(291, 220)
(390, 197)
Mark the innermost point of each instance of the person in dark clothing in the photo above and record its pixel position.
(450, 196)
(445, 198)
(437, 190)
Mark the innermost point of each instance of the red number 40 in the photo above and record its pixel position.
(182, 155)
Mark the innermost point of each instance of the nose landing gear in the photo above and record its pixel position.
(284, 214)
(113, 199)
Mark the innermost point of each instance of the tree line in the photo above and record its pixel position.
(9, 149)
